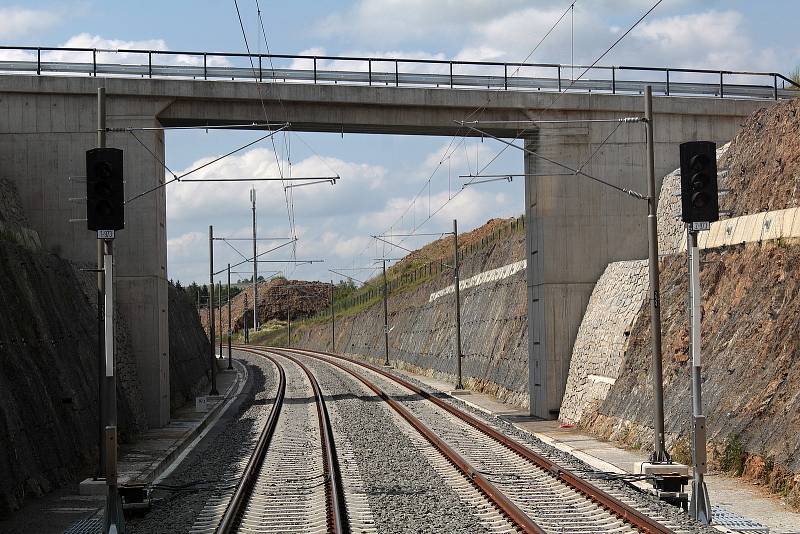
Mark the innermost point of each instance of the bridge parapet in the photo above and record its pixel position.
(386, 71)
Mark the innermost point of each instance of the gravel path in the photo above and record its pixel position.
(218, 453)
(406, 493)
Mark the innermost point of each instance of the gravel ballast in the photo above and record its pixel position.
(175, 510)
(405, 493)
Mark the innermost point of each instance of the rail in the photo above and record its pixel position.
(443, 73)
(481, 481)
(620, 509)
(337, 509)
(245, 487)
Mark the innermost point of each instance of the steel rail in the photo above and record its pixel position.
(337, 508)
(245, 487)
(497, 497)
(610, 503)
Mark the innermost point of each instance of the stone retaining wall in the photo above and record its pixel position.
(603, 335)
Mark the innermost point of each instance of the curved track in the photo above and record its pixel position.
(292, 480)
(534, 492)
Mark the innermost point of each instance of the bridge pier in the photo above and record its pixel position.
(575, 226)
(42, 145)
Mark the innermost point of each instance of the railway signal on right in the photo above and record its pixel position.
(699, 192)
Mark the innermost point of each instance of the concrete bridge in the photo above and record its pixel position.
(576, 226)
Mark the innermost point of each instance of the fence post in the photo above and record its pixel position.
(150, 64)
(396, 74)
(559, 78)
(39, 66)
(505, 76)
(315, 69)
(369, 66)
(451, 75)
(667, 92)
(721, 86)
(94, 62)
(205, 67)
(613, 80)
(775, 86)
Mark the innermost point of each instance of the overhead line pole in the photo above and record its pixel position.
(459, 384)
(230, 362)
(211, 310)
(219, 311)
(659, 448)
(255, 263)
(333, 322)
(385, 318)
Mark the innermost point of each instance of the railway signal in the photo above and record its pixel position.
(105, 193)
(700, 207)
(699, 192)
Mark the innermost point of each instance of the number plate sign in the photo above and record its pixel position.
(699, 226)
(105, 234)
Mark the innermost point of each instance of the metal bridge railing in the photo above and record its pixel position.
(397, 72)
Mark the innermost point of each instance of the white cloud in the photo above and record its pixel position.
(472, 206)
(192, 200)
(87, 40)
(109, 52)
(403, 20)
(186, 245)
(19, 21)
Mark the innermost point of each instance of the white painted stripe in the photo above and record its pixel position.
(603, 379)
(762, 226)
(481, 278)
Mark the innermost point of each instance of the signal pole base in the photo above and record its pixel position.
(700, 504)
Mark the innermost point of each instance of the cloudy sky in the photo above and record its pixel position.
(384, 179)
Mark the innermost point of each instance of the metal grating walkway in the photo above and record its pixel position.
(725, 518)
(86, 526)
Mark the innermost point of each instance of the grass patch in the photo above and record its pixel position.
(682, 451)
(733, 457)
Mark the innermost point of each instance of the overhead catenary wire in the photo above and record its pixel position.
(448, 153)
(178, 178)
(574, 81)
(564, 166)
(266, 115)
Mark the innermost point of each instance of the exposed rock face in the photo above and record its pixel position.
(422, 337)
(49, 364)
(750, 334)
(751, 346)
(189, 351)
(48, 383)
(764, 161)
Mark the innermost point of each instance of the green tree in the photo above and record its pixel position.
(795, 77)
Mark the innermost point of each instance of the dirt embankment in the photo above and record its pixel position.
(301, 298)
(442, 249)
(764, 162)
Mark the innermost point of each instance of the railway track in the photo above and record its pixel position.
(532, 491)
(292, 480)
